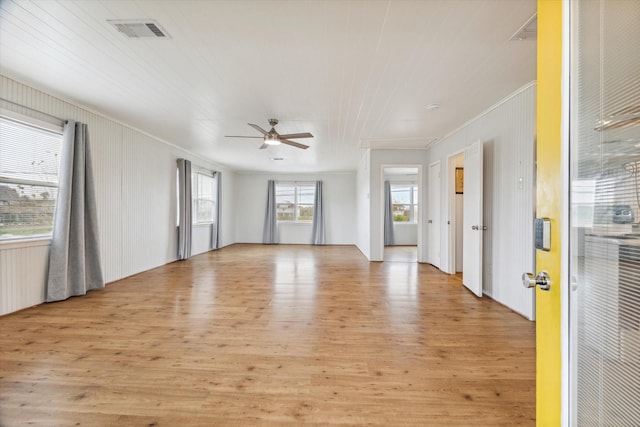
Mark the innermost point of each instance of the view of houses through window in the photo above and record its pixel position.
(294, 201)
(29, 161)
(404, 199)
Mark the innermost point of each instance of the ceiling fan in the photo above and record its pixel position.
(274, 138)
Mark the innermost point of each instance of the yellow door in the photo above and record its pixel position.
(549, 196)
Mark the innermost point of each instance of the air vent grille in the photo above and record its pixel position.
(135, 29)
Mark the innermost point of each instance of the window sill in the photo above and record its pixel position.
(402, 224)
(202, 224)
(24, 243)
(294, 223)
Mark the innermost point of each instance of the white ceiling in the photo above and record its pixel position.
(357, 74)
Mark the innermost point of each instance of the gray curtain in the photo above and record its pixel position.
(74, 257)
(184, 206)
(317, 232)
(215, 230)
(389, 240)
(270, 232)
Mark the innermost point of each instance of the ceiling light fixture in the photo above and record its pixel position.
(272, 139)
(433, 107)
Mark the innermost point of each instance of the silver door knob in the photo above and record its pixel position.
(542, 279)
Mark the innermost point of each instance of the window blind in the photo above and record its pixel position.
(29, 160)
(605, 212)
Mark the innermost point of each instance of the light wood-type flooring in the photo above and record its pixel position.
(255, 335)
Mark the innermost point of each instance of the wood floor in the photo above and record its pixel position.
(256, 335)
(400, 254)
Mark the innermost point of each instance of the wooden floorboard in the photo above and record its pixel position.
(255, 335)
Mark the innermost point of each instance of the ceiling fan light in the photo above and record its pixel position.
(271, 139)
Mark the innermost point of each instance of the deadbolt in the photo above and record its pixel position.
(542, 279)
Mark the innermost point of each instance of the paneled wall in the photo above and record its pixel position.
(339, 191)
(136, 187)
(508, 134)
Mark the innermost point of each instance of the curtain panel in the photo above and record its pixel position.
(74, 257)
(270, 231)
(318, 230)
(389, 239)
(184, 209)
(215, 229)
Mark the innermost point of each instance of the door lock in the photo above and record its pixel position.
(542, 279)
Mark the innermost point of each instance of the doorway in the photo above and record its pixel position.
(455, 191)
(401, 213)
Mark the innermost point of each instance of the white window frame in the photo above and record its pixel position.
(194, 198)
(296, 204)
(24, 120)
(413, 188)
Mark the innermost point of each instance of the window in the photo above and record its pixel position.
(29, 161)
(294, 201)
(404, 202)
(203, 198)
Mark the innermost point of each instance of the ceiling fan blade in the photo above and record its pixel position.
(293, 144)
(242, 136)
(258, 128)
(263, 146)
(296, 135)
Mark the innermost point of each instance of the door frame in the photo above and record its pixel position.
(421, 192)
(439, 198)
(451, 211)
(568, 373)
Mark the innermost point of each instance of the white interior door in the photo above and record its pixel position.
(433, 214)
(472, 219)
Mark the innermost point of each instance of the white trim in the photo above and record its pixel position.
(428, 255)
(313, 176)
(63, 99)
(484, 113)
(421, 191)
(565, 238)
(451, 211)
(296, 203)
(32, 121)
(19, 243)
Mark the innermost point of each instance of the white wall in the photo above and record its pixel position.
(380, 158)
(508, 133)
(135, 178)
(405, 234)
(363, 204)
(339, 191)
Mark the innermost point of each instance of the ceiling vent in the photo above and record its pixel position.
(136, 29)
(529, 31)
